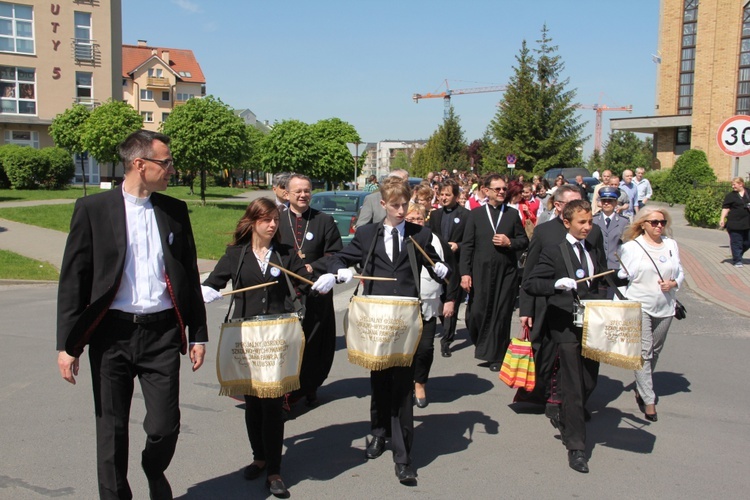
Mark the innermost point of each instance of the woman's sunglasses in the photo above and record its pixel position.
(655, 223)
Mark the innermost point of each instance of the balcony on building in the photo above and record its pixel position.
(87, 101)
(157, 82)
(85, 50)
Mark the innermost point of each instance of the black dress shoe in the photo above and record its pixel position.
(375, 448)
(495, 367)
(446, 352)
(651, 417)
(311, 399)
(159, 489)
(405, 474)
(421, 402)
(252, 471)
(277, 488)
(577, 461)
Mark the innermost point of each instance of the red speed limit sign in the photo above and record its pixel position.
(734, 136)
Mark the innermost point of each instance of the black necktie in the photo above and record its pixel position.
(607, 220)
(394, 235)
(584, 261)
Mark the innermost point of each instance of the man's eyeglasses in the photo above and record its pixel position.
(165, 164)
(499, 190)
(655, 223)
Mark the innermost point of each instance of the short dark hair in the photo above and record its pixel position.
(449, 183)
(139, 144)
(491, 177)
(575, 206)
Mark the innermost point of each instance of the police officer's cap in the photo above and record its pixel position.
(608, 192)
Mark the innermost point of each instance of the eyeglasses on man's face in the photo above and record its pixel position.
(656, 222)
(165, 164)
(499, 190)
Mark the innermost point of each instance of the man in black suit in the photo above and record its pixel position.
(555, 276)
(533, 308)
(129, 288)
(449, 222)
(391, 408)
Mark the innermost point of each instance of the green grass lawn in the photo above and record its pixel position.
(74, 192)
(14, 266)
(212, 224)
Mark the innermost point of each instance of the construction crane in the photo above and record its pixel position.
(600, 108)
(449, 92)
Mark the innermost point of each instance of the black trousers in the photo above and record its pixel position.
(425, 351)
(392, 410)
(739, 243)
(265, 429)
(577, 379)
(449, 324)
(120, 351)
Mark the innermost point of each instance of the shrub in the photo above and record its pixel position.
(4, 182)
(24, 166)
(703, 206)
(692, 167)
(657, 178)
(60, 168)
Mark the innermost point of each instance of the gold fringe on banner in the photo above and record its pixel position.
(260, 390)
(613, 359)
(378, 363)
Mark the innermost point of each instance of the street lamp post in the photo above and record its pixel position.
(354, 151)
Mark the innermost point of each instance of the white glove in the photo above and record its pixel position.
(441, 270)
(344, 275)
(210, 295)
(623, 274)
(325, 283)
(566, 284)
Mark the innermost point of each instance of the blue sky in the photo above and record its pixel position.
(361, 61)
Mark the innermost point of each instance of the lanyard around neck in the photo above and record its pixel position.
(489, 216)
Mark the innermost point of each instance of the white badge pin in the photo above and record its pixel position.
(580, 273)
(275, 272)
(662, 259)
(171, 238)
(456, 220)
(309, 236)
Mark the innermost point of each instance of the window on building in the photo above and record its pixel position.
(743, 78)
(165, 96)
(84, 87)
(148, 116)
(84, 47)
(22, 138)
(17, 90)
(16, 28)
(147, 95)
(164, 117)
(687, 60)
(155, 72)
(683, 136)
(181, 96)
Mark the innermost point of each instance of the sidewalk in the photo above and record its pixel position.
(704, 252)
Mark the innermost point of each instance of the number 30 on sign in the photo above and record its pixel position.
(734, 136)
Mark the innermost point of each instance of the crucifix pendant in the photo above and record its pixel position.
(301, 255)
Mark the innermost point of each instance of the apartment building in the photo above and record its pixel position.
(157, 79)
(703, 79)
(53, 55)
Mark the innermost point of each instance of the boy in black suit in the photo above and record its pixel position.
(391, 409)
(555, 277)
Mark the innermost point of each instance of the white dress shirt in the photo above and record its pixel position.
(143, 287)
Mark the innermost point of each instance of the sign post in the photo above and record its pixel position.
(511, 159)
(734, 139)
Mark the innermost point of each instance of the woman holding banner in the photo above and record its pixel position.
(251, 259)
(651, 262)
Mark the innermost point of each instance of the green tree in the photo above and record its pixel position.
(595, 162)
(317, 150)
(537, 119)
(107, 126)
(691, 170)
(401, 161)
(67, 132)
(206, 136)
(446, 148)
(625, 150)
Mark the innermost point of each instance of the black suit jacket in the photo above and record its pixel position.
(541, 282)
(94, 260)
(457, 228)
(380, 264)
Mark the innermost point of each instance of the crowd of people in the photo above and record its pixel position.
(492, 244)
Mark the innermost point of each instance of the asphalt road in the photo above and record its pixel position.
(469, 442)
